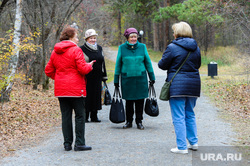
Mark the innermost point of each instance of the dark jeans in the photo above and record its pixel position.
(67, 105)
(138, 110)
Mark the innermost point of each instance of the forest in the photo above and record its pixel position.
(30, 28)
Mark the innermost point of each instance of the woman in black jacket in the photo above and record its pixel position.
(185, 87)
(93, 52)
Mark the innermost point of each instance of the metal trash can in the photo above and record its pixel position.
(212, 69)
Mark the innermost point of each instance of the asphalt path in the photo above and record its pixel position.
(114, 146)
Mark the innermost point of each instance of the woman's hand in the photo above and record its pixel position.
(92, 62)
(151, 83)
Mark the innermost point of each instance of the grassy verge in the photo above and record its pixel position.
(110, 65)
(110, 68)
(155, 55)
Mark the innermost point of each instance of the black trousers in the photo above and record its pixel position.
(67, 105)
(137, 107)
(92, 115)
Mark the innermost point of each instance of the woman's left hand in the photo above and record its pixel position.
(151, 83)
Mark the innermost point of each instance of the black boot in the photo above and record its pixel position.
(127, 125)
(96, 120)
(140, 126)
(94, 117)
(67, 147)
(87, 117)
(82, 148)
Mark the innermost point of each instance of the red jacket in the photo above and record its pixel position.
(68, 68)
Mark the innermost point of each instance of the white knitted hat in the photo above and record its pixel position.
(90, 32)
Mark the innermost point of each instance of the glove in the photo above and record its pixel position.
(151, 83)
(116, 85)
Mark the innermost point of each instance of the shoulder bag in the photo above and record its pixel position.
(165, 90)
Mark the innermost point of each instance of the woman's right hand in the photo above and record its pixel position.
(92, 62)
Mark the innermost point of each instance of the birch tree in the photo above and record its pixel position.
(14, 58)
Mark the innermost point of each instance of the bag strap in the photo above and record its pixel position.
(151, 90)
(117, 93)
(105, 84)
(180, 67)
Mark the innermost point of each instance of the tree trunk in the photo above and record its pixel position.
(160, 35)
(119, 28)
(5, 92)
(44, 78)
(156, 40)
(167, 35)
(206, 37)
(36, 69)
(149, 34)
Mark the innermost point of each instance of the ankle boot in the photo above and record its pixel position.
(140, 126)
(96, 120)
(127, 125)
(87, 116)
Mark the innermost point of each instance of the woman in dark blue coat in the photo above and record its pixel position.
(185, 87)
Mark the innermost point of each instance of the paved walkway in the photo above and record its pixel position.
(114, 146)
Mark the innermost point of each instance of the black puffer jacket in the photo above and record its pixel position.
(187, 81)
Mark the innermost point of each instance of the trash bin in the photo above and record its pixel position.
(212, 69)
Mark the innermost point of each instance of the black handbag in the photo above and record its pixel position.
(117, 113)
(165, 90)
(151, 107)
(107, 96)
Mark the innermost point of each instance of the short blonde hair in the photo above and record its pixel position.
(182, 29)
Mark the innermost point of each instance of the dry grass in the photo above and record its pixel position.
(29, 115)
(230, 91)
(110, 67)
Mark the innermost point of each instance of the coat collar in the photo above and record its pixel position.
(91, 47)
(131, 46)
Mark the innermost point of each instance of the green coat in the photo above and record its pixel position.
(132, 66)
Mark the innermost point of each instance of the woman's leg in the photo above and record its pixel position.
(93, 116)
(79, 108)
(191, 127)
(86, 116)
(177, 105)
(139, 110)
(67, 128)
(129, 110)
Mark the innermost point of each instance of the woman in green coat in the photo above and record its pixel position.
(133, 64)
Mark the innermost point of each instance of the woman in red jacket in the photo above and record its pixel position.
(68, 68)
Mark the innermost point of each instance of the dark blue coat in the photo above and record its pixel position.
(187, 81)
